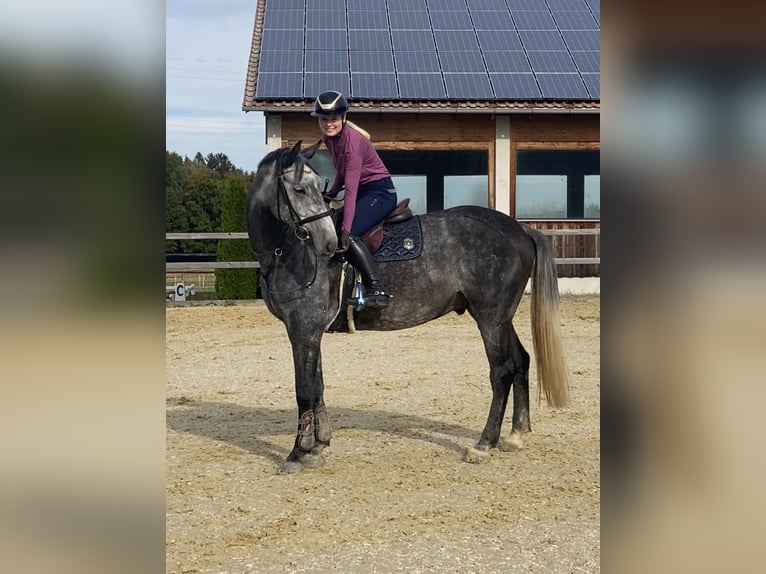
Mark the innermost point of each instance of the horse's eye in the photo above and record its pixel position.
(299, 189)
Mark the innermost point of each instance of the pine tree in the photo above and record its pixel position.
(235, 283)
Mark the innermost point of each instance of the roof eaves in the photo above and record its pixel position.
(528, 106)
(255, 50)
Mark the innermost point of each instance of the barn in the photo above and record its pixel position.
(482, 102)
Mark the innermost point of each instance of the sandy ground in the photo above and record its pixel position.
(394, 494)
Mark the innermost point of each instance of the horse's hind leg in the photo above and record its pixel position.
(521, 423)
(502, 368)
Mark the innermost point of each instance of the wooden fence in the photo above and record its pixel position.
(206, 266)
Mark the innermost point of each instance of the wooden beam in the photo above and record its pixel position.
(200, 266)
(229, 235)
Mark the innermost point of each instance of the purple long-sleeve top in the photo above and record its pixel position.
(356, 162)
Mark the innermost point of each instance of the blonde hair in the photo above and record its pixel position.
(364, 132)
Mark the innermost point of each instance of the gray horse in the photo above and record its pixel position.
(474, 259)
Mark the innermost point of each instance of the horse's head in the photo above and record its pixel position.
(298, 200)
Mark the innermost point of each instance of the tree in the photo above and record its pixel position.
(219, 163)
(235, 283)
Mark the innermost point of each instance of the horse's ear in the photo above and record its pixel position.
(295, 150)
(309, 152)
(289, 158)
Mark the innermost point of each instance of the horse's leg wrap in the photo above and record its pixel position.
(323, 430)
(306, 439)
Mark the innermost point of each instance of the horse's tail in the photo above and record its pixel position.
(552, 374)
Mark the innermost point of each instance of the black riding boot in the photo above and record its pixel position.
(359, 256)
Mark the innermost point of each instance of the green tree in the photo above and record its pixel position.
(219, 163)
(235, 283)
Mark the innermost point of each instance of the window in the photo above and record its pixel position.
(414, 187)
(593, 196)
(465, 190)
(558, 184)
(435, 180)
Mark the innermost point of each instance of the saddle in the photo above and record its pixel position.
(373, 237)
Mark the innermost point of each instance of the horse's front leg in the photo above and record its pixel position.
(314, 430)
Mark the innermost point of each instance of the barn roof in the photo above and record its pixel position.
(426, 55)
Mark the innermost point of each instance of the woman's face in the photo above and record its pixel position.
(331, 125)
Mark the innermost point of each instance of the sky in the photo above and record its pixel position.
(207, 46)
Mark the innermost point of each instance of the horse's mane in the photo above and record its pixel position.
(272, 156)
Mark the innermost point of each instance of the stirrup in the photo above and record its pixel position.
(377, 299)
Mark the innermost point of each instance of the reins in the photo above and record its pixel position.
(301, 233)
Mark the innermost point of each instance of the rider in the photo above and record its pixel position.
(369, 192)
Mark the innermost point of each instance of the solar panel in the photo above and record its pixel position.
(406, 40)
(462, 62)
(492, 20)
(468, 86)
(326, 61)
(446, 5)
(568, 4)
(551, 61)
(282, 40)
(283, 20)
(280, 61)
(527, 5)
(289, 5)
(367, 20)
(325, 4)
(562, 86)
(431, 49)
(372, 61)
(409, 20)
(587, 61)
(374, 86)
(534, 20)
(542, 40)
(593, 83)
(582, 39)
(325, 19)
(369, 40)
(515, 86)
(279, 85)
(575, 21)
(456, 40)
(421, 87)
(499, 40)
(506, 62)
(416, 62)
(475, 5)
(317, 83)
(394, 5)
(453, 20)
(326, 40)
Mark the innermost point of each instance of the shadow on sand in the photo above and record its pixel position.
(249, 427)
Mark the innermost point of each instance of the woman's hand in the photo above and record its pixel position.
(344, 242)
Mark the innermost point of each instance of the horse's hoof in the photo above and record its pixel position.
(476, 456)
(512, 443)
(290, 466)
(313, 460)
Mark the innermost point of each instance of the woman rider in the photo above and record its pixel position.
(369, 192)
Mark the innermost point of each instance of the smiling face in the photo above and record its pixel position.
(331, 126)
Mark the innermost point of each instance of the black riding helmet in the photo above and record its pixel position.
(330, 103)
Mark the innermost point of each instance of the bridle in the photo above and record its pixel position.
(298, 222)
(301, 233)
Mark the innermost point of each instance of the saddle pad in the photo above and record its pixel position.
(401, 241)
